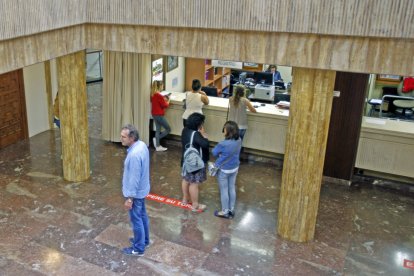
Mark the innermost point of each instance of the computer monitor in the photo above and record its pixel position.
(263, 78)
(210, 91)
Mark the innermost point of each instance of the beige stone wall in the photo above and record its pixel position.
(375, 18)
(354, 54)
(21, 18)
(24, 51)
(370, 36)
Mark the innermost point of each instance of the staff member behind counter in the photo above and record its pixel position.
(276, 74)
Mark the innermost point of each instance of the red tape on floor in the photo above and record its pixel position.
(170, 201)
(409, 264)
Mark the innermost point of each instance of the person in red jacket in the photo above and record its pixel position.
(159, 103)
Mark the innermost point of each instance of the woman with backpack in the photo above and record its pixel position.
(228, 153)
(194, 130)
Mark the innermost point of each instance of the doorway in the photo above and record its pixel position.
(13, 119)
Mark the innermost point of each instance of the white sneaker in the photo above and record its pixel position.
(160, 148)
(154, 141)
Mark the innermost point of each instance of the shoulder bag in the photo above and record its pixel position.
(213, 168)
(185, 101)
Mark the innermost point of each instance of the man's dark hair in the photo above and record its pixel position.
(232, 130)
(196, 85)
(133, 132)
(195, 121)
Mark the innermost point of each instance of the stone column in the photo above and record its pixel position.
(311, 103)
(73, 116)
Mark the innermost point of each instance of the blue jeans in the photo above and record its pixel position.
(160, 121)
(140, 224)
(242, 132)
(56, 121)
(227, 185)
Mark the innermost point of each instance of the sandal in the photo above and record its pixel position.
(221, 214)
(200, 208)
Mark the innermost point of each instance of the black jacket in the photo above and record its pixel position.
(198, 142)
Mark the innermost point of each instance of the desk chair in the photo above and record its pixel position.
(375, 105)
(385, 103)
(404, 106)
(388, 103)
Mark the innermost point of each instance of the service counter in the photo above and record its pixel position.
(267, 128)
(385, 146)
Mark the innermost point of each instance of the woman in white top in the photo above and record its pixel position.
(238, 105)
(194, 100)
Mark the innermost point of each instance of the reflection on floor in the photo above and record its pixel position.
(53, 227)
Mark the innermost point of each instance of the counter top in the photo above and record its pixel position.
(222, 103)
(381, 126)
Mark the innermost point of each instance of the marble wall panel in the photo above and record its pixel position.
(340, 53)
(375, 18)
(21, 18)
(24, 51)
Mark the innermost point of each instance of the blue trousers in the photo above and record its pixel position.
(160, 121)
(227, 185)
(140, 224)
(242, 132)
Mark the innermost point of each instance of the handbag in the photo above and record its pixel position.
(213, 168)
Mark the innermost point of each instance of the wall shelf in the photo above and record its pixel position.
(209, 75)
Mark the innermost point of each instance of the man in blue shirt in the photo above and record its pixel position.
(276, 74)
(135, 187)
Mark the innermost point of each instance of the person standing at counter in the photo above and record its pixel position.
(276, 74)
(194, 100)
(228, 155)
(190, 181)
(238, 105)
(56, 118)
(159, 103)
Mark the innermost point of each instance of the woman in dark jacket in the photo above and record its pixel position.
(190, 181)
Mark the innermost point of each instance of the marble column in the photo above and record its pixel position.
(73, 116)
(311, 103)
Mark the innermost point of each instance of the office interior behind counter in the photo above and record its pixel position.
(386, 97)
(390, 97)
(383, 97)
(262, 87)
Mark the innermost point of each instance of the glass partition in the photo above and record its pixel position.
(93, 65)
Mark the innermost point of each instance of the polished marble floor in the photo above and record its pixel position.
(49, 226)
